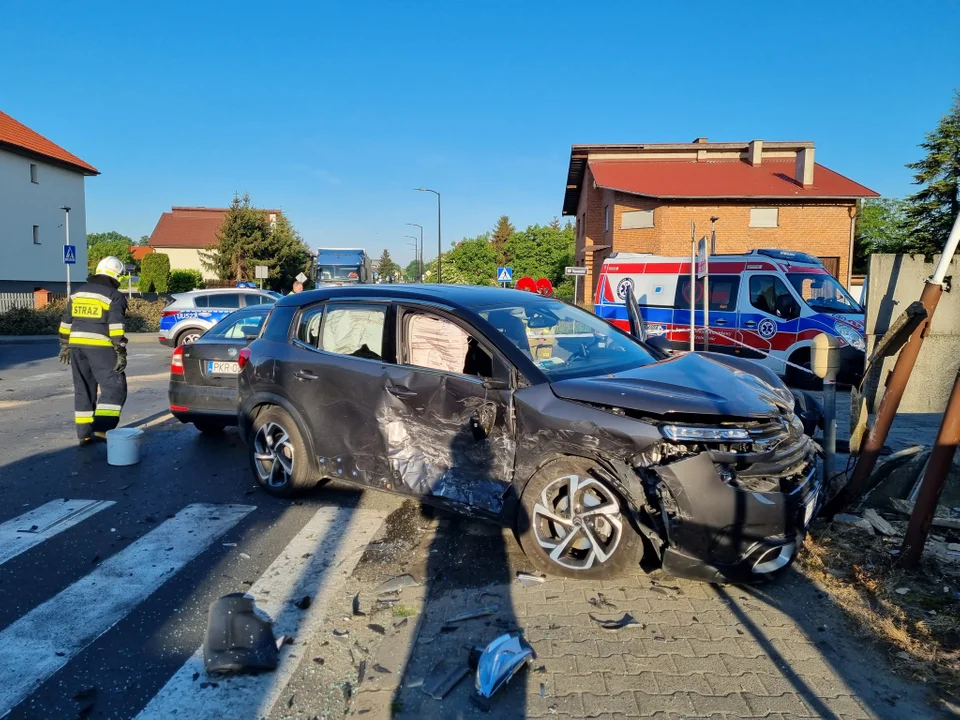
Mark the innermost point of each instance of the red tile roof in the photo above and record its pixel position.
(140, 251)
(774, 179)
(190, 227)
(18, 137)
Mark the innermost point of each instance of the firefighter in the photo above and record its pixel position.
(92, 341)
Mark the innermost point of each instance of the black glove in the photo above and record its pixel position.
(121, 365)
(64, 353)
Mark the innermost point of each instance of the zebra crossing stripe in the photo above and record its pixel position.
(42, 523)
(44, 640)
(317, 562)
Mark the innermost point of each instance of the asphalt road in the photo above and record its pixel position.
(115, 598)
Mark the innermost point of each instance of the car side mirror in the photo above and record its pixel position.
(495, 384)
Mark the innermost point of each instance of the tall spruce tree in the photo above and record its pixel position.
(932, 210)
(501, 235)
(388, 269)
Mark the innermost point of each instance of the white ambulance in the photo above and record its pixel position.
(766, 305)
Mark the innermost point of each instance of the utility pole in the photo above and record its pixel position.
(420, 255)
(66, 222)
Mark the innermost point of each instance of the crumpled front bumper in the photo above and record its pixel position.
(719, 533)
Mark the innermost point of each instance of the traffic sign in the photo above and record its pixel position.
(574, 270)
(702, 258)
(261, 271)
(504, 275)
(69, 254)
(301, 278)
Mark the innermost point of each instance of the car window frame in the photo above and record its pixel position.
(791, 291)
(333, 302)
(503, 369)
(681, 303)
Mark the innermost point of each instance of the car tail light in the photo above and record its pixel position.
(243, 358)
(176, 361)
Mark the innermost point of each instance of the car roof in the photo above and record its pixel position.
(457, 296)
(219, 291)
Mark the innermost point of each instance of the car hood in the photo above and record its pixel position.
(687, 386)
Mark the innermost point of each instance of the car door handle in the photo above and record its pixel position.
(401, 393)
(750, 323)
(305, 375)
(720, 321)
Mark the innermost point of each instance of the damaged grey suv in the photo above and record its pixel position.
(528, 411)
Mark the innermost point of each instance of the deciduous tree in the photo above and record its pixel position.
(881, 228)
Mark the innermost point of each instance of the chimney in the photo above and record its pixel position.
(701, 154)
(755, 152)
(805, 166)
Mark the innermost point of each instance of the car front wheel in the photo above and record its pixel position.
(574, 524)
(278, 456)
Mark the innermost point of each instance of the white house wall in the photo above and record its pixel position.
(23, 204)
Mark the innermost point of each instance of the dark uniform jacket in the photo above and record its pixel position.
(94, 315)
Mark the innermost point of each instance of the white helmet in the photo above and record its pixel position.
(111, 267)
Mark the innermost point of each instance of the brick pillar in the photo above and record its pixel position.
(41, 298)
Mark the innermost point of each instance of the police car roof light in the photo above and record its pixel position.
(788, 255)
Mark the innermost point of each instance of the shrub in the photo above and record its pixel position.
(155, 273)
(142, 316)
(185, 280)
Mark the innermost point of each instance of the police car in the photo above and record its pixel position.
(191, 314)
(766, 305)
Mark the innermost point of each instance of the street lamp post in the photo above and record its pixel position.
(416, 257)
(420, 256)
(439, 244)
(66, 222)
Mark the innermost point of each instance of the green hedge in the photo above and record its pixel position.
(142, 316)
(185, 280)
(155, 273)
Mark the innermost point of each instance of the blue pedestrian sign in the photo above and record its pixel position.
(69, 254)
(504, 275)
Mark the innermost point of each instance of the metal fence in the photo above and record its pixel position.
(9, 301)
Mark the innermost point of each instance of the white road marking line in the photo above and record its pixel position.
(32, 528)
(333, 542)
(43, 376)
(44, 640)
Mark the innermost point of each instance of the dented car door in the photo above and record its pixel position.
(447, 415)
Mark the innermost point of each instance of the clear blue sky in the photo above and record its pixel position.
(335, 111)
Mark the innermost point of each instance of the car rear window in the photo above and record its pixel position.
(238, 326)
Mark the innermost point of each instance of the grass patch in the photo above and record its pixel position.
(402, 611)
(920, 629)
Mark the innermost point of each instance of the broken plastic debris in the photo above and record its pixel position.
(529, 579)
(237, 639)
(361, 671)
(902, 590)
(386, 603)
(304, 602)
(500, 661)
(469, 615)
(400, 623)
(381, 669)
(600, 601)
(443, 678)
(341, 635)
(395, 584)
(356, 605)
(612, 625)
(244, 556)
(378, 629)
(229, 544)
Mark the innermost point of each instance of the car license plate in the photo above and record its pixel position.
(811, 506)
(216, 367)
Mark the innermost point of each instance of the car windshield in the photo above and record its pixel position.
(564, 341)
(823, 293)
(238, 326)
(338, 272)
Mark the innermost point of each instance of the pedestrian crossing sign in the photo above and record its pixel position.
(504, 275)
(69, 254)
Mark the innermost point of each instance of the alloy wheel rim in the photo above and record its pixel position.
(191, 338)
(578, 521)
(273, 455)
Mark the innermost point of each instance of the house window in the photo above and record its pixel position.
(606, 219)
(764, 217)
(636, 219)
(36, 234)
(33, 173)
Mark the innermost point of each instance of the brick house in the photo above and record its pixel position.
(184, 232)
(642, 198)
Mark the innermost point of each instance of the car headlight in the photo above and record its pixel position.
(687, 432)
(851, 336)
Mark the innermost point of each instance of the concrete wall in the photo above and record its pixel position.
(186, 259)
(894, 281)
(23, 204)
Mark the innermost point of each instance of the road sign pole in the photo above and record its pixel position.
(706, 296)
(67, 242)
(576, 288)
(693, 292)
